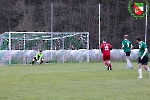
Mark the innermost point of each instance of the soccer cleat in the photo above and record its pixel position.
(127, 68)
(32, 63)
(130, 67)
(140, 77)
(108, 68)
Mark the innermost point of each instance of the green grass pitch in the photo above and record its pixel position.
(73, 81)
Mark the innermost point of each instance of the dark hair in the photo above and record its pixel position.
(125, 36)
(138, 38)
(104, 38)
(40, 51)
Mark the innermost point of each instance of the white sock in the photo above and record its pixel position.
(140, 72)
(148, 70)
(129, 63)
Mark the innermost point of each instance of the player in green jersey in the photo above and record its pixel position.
(143, 56)
(127, 46)
(38, 58)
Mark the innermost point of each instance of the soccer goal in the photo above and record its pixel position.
(21, 47)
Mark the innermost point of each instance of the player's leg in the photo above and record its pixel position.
(110, 65)
(140, 67)
(145, 62)
(107, 62)
(147, 68)
(42, 60)
(129, 65)
(127, 60)
(34, 59)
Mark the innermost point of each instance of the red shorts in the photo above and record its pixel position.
(107, 57)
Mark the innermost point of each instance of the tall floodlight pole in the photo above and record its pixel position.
(51, 28)
(146, 25)
(99, 25)
(51, 17)
(99, 29)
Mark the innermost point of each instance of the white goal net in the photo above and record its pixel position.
(21, 47)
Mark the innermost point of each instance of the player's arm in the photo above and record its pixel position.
(122, 46)
(37, 55)
(101, 47)
(131, 46)
(41, 55)
(110, 47)
(102, 50)
(146, 50)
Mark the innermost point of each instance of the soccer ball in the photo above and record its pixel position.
(38, 61)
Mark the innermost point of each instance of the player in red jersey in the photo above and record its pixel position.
(105, 49)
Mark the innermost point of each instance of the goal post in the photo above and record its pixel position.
(56, 46)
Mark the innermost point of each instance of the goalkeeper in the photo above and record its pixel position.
(38, 58)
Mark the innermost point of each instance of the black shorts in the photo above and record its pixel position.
(37, 59)
(127, 54)
(144, 61)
